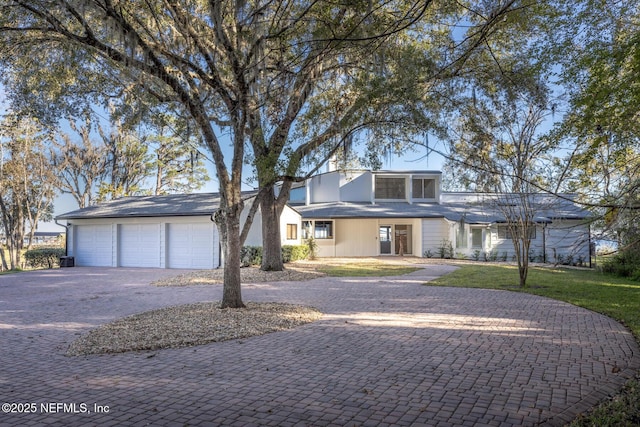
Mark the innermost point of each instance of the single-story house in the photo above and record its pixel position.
(172, 231)
(348, 213)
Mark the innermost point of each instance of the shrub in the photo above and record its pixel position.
(286, 253)
(624, 264)
(428, 253)
(446, 249)
(44, 257)
(312, 247)
(476, 255)
(250, 255)
(292, 253)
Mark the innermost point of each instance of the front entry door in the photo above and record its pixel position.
(403, 240)
(385, 240)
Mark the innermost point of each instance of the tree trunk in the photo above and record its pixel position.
(523, 270)
(4, 265)
(271, 238)
(232, 288)
(523, 259)
(227, 219)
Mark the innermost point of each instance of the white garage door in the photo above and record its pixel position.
(93, 247)
(139, 245)
(192, 246)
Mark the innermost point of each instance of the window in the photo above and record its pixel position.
(316, 229)
(390, 188)
(323, 230)
(307, 228)
(292, 231)
(504, 232)
(476, 237)
(298, 194)
(424, 188)
(461, 235)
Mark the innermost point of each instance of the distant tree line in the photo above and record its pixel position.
(91, 163)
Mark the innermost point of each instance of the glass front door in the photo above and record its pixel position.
(385, 239)
(404, 243)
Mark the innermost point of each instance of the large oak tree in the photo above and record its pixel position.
(283, 81)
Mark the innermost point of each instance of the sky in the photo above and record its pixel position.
(411, 161)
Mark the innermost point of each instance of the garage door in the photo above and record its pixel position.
(93, 246)
(139, 245)
(192, 246)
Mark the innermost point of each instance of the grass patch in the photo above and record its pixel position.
(359, 269)
(613, 296)
(621, 410)
(616, 297)
(9, 272)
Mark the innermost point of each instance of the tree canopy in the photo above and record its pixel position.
(263, 73)
(26, 183)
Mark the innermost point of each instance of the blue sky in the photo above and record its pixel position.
(410, 161)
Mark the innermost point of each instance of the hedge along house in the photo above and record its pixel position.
(365, 213)
(172, 231)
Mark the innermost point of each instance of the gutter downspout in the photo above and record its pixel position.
(212, 218)
(591, 259)
(66, 235)
(544, 243)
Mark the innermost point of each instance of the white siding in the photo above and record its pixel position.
(325, 188)
(92, 245)
(139, 245)
(568, 239)
(434, 231)
(502, 247)
(254, 238)
(356, 187)
(289, 216)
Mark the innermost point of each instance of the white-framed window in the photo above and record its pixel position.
(423, 188)
(461, 236)
(292, 231)
(476, 237)
(390, 188)
(323, 230)
(317, 229)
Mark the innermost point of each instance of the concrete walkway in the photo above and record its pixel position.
(387, 352)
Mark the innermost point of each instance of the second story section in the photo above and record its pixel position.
(369, 187)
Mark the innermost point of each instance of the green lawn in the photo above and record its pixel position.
(365, 269)
(615, 297)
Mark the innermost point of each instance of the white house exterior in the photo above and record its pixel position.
(364, 213)
(352, 213)
(173, 231)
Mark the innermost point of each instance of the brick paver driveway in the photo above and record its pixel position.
(388, 351)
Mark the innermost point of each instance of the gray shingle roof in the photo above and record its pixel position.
(152, 206)
(456, 207)
(549, 208)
